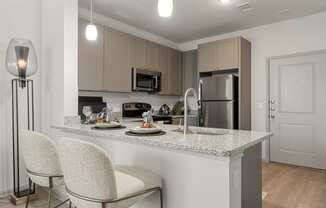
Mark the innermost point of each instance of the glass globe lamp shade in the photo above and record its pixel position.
(21, 60)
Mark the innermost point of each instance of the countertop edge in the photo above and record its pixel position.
(165, 146)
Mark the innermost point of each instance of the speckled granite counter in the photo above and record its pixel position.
(225, 145)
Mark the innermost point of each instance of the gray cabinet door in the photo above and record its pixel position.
(163, 68)
(137, 52)
(207, 57)
(152, 56)
(190, 77)
(90, 59)
(117, 70)
(175, 78)
(228, 53)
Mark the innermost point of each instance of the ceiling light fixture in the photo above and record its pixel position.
(165, 8)
(225, 1)
(91, 30)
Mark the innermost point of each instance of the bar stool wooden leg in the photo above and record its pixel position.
(29, 192)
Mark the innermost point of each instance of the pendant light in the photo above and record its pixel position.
(165, 8)
(225, 1)
(91, 30)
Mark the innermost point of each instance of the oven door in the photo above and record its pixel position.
(144, 80)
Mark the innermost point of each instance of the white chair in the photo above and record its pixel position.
(42, 162)
(93, 182)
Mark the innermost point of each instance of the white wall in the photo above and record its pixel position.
(59, 49)
(70, 57)
(52, 27)
(288, 37)
(53, 74)
(17, 19)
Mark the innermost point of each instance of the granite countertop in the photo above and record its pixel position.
(206, 143)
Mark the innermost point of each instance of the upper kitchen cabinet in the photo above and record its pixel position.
(152, 56)
(175, 75)
(228, 53)
(219, 55)
(106, 64)
(117, 70)
(137, 52)
(207, 57)
(163, 64)
(90, 61)
(190, 74)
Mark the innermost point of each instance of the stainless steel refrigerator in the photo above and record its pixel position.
(219, 101)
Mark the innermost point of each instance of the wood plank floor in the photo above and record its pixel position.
(39, 203)
(293, 187)
(287, 187)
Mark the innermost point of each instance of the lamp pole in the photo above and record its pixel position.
(21, 61)
(19, 196)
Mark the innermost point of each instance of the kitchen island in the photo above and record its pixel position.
(207, 168)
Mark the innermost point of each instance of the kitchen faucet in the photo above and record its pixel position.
(185, 119)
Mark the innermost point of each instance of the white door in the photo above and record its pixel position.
(298, 110)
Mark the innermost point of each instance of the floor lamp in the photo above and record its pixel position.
(21, 61)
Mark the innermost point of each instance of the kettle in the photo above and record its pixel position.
(164, 110)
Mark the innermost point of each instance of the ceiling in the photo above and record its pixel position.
(195, 19)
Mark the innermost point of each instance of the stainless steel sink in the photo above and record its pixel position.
(191, 131)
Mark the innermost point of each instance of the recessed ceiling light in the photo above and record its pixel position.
(225, 1)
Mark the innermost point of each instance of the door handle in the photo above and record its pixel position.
(272, 109)
(272, 116)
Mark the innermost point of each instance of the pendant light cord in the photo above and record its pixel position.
(91, 11)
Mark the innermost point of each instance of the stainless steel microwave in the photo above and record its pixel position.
(146, 80)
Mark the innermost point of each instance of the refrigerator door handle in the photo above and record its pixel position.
(200, 88)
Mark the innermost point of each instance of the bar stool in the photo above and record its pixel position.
(93, 182)
(42, 163)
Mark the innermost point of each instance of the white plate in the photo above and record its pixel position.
(140, 130)
(108, 125)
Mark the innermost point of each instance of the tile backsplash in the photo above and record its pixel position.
(116, 99)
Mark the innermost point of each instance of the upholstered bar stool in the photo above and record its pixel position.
(42, 162)
(92, 181)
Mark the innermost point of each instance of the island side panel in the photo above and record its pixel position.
(252, 177)
(189, 180)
